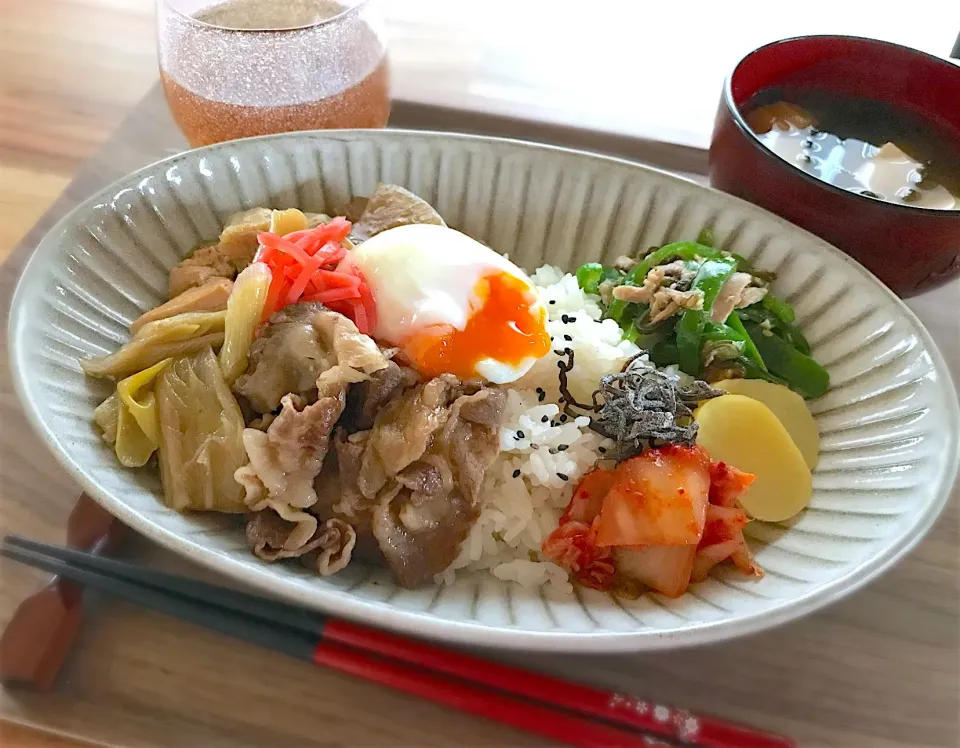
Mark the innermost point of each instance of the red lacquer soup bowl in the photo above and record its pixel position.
(910, 249)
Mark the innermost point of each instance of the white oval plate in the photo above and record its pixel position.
(889, 423)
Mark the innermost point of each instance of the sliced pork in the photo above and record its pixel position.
(365, 399)
(303, 347)
(285, 459)
(417, 473)
(420, 541)
(328, 547)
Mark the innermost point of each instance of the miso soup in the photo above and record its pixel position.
(862, 145)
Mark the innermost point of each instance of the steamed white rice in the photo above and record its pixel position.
(521, 508)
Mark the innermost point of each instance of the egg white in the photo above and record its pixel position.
(425, 275)
(500, 372)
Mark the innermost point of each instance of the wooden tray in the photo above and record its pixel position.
(880, 669)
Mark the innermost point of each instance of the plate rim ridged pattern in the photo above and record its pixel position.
(279, 582)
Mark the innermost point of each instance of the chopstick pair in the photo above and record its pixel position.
(567, 712)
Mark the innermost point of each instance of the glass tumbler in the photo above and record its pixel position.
(238, 68)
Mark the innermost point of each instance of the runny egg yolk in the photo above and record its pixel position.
(507, 327)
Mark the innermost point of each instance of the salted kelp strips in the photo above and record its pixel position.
(639, 407)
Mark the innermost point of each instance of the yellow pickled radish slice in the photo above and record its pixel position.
(789, 408)
(745, 433)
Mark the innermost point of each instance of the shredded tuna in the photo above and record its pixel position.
(634, 294)
(624, 263)
(751, 295)
(736, 293)
(668, 301)
(664, 287)
(606, 290)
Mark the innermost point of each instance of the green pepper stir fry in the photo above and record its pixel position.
(758, 340)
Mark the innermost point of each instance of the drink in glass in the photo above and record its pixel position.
(237, 68)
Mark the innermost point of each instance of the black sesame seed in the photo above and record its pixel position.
(602, 450)
(561, 476)
(563, 418)
(559, 364)
(516, 473)
(520, 434)
(559, 353)
(563, 447)
(540, 389)
(571, 319)
(534, 446)
(552, 451)
(568, 338)
(553, 301)
(564, 318)
(544, 419)
(542, 396)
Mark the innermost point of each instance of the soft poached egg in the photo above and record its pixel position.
(452, 304)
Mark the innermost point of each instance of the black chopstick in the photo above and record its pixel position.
(258, 630)
(243, 603)
(535, 717)
(448, 676)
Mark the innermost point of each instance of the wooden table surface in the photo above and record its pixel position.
(70, 70)
(879, 669)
